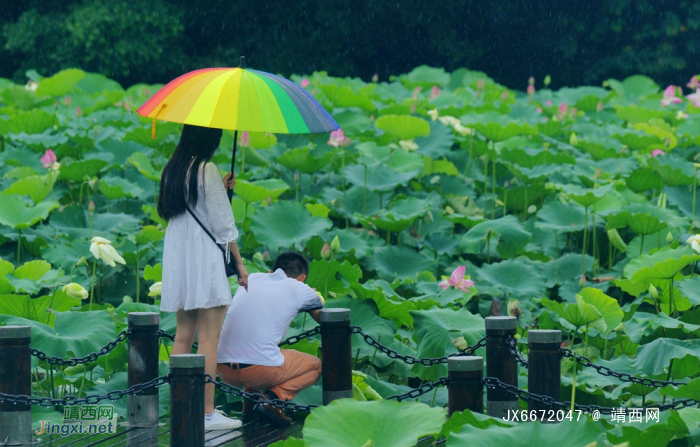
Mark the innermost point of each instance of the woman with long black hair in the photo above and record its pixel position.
(194, 276)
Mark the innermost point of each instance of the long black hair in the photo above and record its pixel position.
(197, 144)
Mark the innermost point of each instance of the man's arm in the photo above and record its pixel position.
(316, 315)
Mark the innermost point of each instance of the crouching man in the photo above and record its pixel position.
(256, 321)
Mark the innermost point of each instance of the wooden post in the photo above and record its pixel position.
(144, 348)
(544, 372)
(187, 400)
(336, 354)
(465, 385)
(501, 364)
(15, 378)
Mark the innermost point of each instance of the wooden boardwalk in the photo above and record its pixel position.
(253, 433)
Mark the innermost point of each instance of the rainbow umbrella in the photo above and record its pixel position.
(238, 99)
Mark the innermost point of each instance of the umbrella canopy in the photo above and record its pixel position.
(239, 99)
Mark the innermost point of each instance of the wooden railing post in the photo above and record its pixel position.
(15, 378)
(465, 384)
(544, 371)
(336, 354)
(144, 346)
(187, 400)
(501, 364)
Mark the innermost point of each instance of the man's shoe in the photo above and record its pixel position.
(274, 414)
(217, 420)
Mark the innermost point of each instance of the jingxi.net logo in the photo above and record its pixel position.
(84, 419)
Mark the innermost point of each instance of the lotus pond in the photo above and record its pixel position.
(572, 209)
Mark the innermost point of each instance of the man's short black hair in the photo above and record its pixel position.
(292, 264)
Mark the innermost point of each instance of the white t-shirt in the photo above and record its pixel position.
(257, 319)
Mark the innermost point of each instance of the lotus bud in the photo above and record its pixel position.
(598, 173)
(574, 112)
(434, 92)
(268, 200)
(91, 206)
(531, 81)
(155, 289)
(681, 115)
(413, 108)
(304, 83)
(258, 257)
(127, 299)
(661, 202)
(669, 238)
(582, 280)
(335, 245)
(531, 209)
(74, 290)
(496, 309)
(434, 179)
(66, 101)
(530, 90)
(599, 107)
(573, 140)
(514, 308)
(616, 240)
(245, 139)
(266, 256)
(296, 176)
(81, 261)
(375, 77)
(428, 218)
(653, 293)
(78, 112)
(93, 184)
(326, 251)
(547, 80)
(504, 95)
(147, 91)
(480, 84)
(449, 210)
(56, 104)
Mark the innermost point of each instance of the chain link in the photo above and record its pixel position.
(87, 359)
(623, 377)
(493, 382)
(425, 388)
(513, 348)
(290, 341)
(257, 397)
(92, 399)
(410, 360)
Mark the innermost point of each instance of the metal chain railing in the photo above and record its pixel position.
(289, 341)
(513, 348)
(87, 359)
(425, 388)
(257, 397)
(92, 399)
(623, 377)
(493, 382)
(409, 359)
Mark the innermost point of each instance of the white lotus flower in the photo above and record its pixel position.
(694, 242)
(74, 290)
(408, 145)
(449, 120)
(155, 289)
(101, 248)
(433, 114)
(464, 131)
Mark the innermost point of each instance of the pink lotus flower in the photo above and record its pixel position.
(694, 82)
(375, 77)
(530, 90)
(457, 280)
(78, 112)
(574, 112)
(434, 92)
(599, 107)
(548, 103)
(48, 159)
(531, 81)
(304, 83)
(670, 96)
(338, 139)
(504, 95)
(245, 139)
(563, 110)
(657, 152)
(695, 97)
(539, 110)
(66, 101)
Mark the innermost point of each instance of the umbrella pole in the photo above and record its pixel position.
(233, 162)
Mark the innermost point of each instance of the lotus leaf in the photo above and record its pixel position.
(379, 177)
(37, 187)
(403, 127)
(560, 217)
(400, 215)
(333, 276)
(673, 171)
(32, 122)
(286, 225)
(663, 264)
(60, 84)
(144, 166)
(504, 235)
(655, 357)
(302, 159)
(15, 214)
(641, 218)
(115, 188)
(400, 262)
(251, 192)
(82, 170)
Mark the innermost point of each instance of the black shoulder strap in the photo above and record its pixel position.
(204, 228)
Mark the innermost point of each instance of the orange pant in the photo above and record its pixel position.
(299, 371)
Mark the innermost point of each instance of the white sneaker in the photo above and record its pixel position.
(217, 420)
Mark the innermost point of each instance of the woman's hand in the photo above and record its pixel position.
(229, 180)
(242, 276)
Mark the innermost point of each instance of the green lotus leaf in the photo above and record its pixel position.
(642, 218)
(118, 223)
(252, 192)
(400, 215)
(333, 276)
(655, 357)
(402, 161)
(599, 147)
(32, 270)
(434, 331)
(673, 170)
(513, 278)
(529, 157)
(18, 97)
(149, 234)
(564, 269)
(639, 142)
(60, 84)
(379, 177)
(352, 123)
(496, 127)
(365, 423)
(391, 307)
(690, 390)
(79, 333)
(560, 217)
(32, 122)
(579, 314)
(586, 197)
(153, 273)
(507, 237)
(144, 166)
(536, 174)
(142, 135)
(343, 96)
(286, 225)
(580, 433)
(37, 309)
(644, 179)
(398, 262)
(359, 383)
(663, 264)
(403, 127)
(15, 214)
(305, 160)
(82, 170)
(120, 381)
(425, 77)
(636, 114)
(635, 87)
(606, 306)
(96, 83)
(37, 187)
(114, 188)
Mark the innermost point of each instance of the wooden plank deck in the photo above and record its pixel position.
(254, 433)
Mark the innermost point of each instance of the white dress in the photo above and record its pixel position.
(194, 276)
